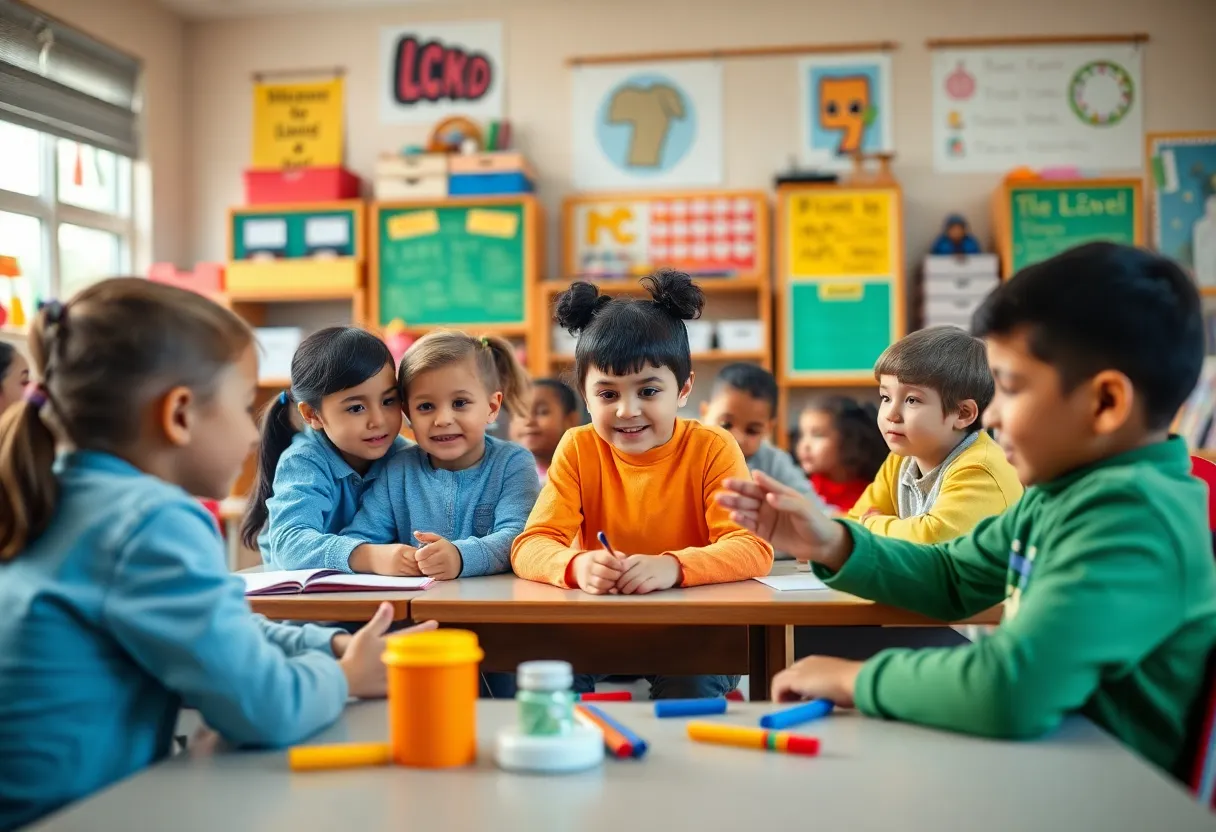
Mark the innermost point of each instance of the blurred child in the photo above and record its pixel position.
(310, 482)
(1105, 567)
(638, 472)
(451, 505)
(944, 474)
(840, 449)
(554, 410)
(14, 375)
(118, 606)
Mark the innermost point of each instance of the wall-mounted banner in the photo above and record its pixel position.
(435, 70)
(297, 125)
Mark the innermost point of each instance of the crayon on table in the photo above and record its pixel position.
(797, 715)
(689, 707)
(744, 737)
(352, 755)
(614, 740)
(638, 744)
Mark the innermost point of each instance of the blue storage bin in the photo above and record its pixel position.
(489, 184)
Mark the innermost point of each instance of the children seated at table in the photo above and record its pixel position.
(553, 410)
(310, 482)
(944, 474)
(638, 472)
(840, 449)
(451, 505)
(117, 603)
(1105, 566)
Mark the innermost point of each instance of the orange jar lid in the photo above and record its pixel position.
(432, 649)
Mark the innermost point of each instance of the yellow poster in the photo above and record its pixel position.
(298, 124)
(841, 233)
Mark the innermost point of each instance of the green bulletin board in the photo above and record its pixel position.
(447, 265)
(838, 324)
(1045, 221)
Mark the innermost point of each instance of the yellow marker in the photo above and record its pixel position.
(759, 738)
(351, 755)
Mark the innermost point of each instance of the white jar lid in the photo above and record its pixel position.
(581, 749)
(549, 675)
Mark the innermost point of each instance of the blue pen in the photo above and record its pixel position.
(689, 707)
(797, 715)
(639, 744)
(603, 538)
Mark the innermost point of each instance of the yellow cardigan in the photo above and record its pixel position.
(979, 483)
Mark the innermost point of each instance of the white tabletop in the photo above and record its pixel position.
(870, 775)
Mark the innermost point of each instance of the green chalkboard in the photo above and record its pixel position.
(837, 327)
(448, 265)
(293, 234)
(1045, 221)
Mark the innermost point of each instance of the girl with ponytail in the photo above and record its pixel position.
(639, 472)
(310, 482)
(117, 603)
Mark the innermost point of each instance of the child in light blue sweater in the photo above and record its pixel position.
(310, 482)
(454, 503)
(115, 602)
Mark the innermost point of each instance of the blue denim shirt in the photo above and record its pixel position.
(316, 495)
(120, 611)
(480, 509)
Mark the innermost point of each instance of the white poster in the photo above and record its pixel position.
(647, 125)
(1042, 106)
(435, 70)
(845, 107)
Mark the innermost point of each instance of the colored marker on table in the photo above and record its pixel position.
(636, 743)
(606, 696)
(689, 707)
(797, 715)
(744, 737)
(351, 755)
(614, 740)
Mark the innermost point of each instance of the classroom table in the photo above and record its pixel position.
(739, 628)
(870, 774)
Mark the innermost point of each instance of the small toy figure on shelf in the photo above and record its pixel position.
(956, 238)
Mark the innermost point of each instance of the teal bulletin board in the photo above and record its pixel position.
(838, 325)
(291, 234)
(452, 264)
(1048, 218)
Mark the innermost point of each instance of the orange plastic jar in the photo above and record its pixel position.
(432, 698)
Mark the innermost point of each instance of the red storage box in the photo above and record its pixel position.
(206, 279)
(271, 187)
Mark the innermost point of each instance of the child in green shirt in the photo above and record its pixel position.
(1105, 566)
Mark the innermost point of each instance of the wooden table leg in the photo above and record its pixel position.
(770, 650)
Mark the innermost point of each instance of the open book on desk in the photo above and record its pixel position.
(297, 581)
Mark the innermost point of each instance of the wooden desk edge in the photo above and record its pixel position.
(317, 608)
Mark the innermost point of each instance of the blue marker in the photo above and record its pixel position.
(797, 715)
(639, 744)
(689, 707)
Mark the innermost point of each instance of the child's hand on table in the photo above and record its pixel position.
(598, 571)
(786, 519)
(396, 560)
(817, 677)
(648, 573)
(360, 655)
(438, 558)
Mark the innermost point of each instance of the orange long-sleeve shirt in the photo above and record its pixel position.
(660, 502)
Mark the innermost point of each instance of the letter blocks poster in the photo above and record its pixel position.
(642, 126)
(436, 70)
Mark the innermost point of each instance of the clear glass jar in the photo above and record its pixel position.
(546, 703)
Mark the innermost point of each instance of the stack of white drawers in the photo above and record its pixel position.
(955, 286)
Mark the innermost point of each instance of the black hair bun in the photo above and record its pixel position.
(577, 306)
(676, 293)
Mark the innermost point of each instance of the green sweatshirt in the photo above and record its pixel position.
(1109, 586)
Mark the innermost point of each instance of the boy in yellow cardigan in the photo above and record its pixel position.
(944, 474)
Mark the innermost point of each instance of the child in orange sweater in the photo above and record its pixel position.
(638, 473)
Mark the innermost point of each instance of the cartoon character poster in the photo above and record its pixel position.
(846, 107)
(640, 126)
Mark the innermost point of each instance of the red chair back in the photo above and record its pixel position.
(1206, 470)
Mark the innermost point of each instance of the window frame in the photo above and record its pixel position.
(52, 213)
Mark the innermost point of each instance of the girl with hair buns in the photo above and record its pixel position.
(639, 473)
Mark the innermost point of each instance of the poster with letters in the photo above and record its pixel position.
(432, 71)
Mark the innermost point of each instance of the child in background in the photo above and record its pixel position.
(343, 384)
(638, 472)
(554, 410)
(117, 604)
(840, 449)
(1105, 566)
(14, 375)
(944, 474)
(452, 504)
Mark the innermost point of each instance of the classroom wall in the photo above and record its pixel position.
(156, 35)
(760, 94)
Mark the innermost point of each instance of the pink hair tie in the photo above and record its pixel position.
(35, 394)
